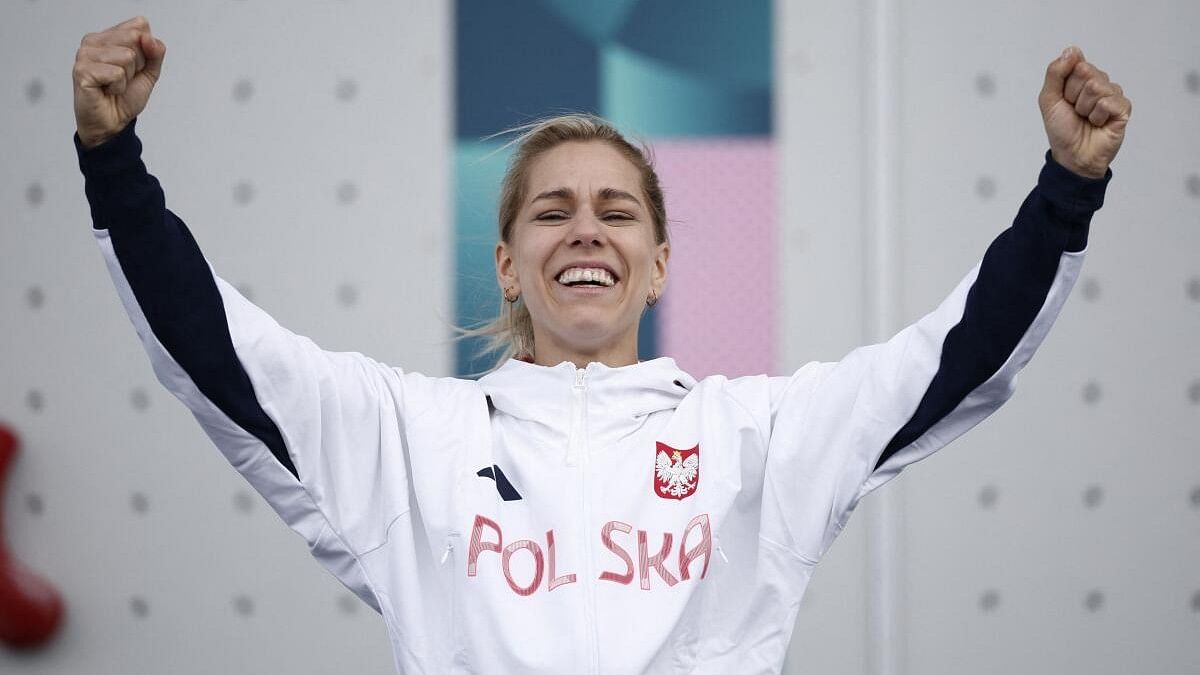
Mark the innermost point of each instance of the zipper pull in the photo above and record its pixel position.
(580, 373)
(449, 547)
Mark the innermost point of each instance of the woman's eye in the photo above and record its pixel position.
(559, 215)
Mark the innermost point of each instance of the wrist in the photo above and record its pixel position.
(1074, 197)
(107, 155)
(89, 141)
(1078, 169)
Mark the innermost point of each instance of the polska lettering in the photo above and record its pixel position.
(486, 535)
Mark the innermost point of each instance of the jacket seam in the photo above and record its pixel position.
(364, 363)
(328, 525)
(788, 550)
(1012, 354)
(357, 559)
(387, 533)
(816, 381)
(766, 437)
(261, 457)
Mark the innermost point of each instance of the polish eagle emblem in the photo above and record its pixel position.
(676, 472)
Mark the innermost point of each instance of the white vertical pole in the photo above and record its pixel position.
(885, 576)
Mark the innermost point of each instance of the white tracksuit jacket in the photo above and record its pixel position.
(564, 520)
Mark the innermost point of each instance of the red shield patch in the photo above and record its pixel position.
(676, 472)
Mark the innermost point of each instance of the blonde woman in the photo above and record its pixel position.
(577, 510)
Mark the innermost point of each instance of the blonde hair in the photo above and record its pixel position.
(511, 333)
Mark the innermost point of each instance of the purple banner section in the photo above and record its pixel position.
(717, 315)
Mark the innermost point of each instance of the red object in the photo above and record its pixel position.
(31, 610)
(676, 471)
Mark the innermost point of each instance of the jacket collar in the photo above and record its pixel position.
(544, 393)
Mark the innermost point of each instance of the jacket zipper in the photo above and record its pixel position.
(577, 453)
(578, 419)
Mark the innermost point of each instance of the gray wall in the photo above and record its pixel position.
(307, 147)
(1062, 535)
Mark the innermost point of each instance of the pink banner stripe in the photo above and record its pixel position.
(718, 312)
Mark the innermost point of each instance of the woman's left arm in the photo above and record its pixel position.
(842, 429)
(1028, 271)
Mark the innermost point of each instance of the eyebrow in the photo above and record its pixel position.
(606, 194)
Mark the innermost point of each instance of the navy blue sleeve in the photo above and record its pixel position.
(171, 280)
(1013, 283)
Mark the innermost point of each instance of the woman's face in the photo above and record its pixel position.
(583, 253)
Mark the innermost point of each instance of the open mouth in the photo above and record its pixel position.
(587, 277)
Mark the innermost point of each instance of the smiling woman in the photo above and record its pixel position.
(582, 248)
(491, 522)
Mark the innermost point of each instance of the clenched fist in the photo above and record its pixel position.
(114, 72)
(1085, 114)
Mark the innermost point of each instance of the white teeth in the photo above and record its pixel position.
(586, 274)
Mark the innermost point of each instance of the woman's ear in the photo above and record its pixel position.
(506, 269)
(658, 278)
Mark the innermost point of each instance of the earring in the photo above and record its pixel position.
(513, 298)
(652, 300)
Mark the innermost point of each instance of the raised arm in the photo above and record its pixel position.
(842, 429)
(317, 433)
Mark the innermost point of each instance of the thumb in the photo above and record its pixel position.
(1056, 77)
(154, 50)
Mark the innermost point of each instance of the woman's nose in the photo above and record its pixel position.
(586, 229)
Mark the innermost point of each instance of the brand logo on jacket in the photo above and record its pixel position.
(676, 472)
(507, 492)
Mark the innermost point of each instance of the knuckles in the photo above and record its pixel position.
(90, 54)
(96, 51)
(1087, 79)
(124, 36)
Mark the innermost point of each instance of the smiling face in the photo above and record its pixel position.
(582, 253)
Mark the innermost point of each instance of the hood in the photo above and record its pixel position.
(615, 396)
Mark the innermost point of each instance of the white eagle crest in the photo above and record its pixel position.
(680, 476)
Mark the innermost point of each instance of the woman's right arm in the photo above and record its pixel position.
(319, 434)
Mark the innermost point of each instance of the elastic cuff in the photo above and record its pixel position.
(1079, 195)
(113, 155)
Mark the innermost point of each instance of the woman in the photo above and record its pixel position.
(577, 510)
